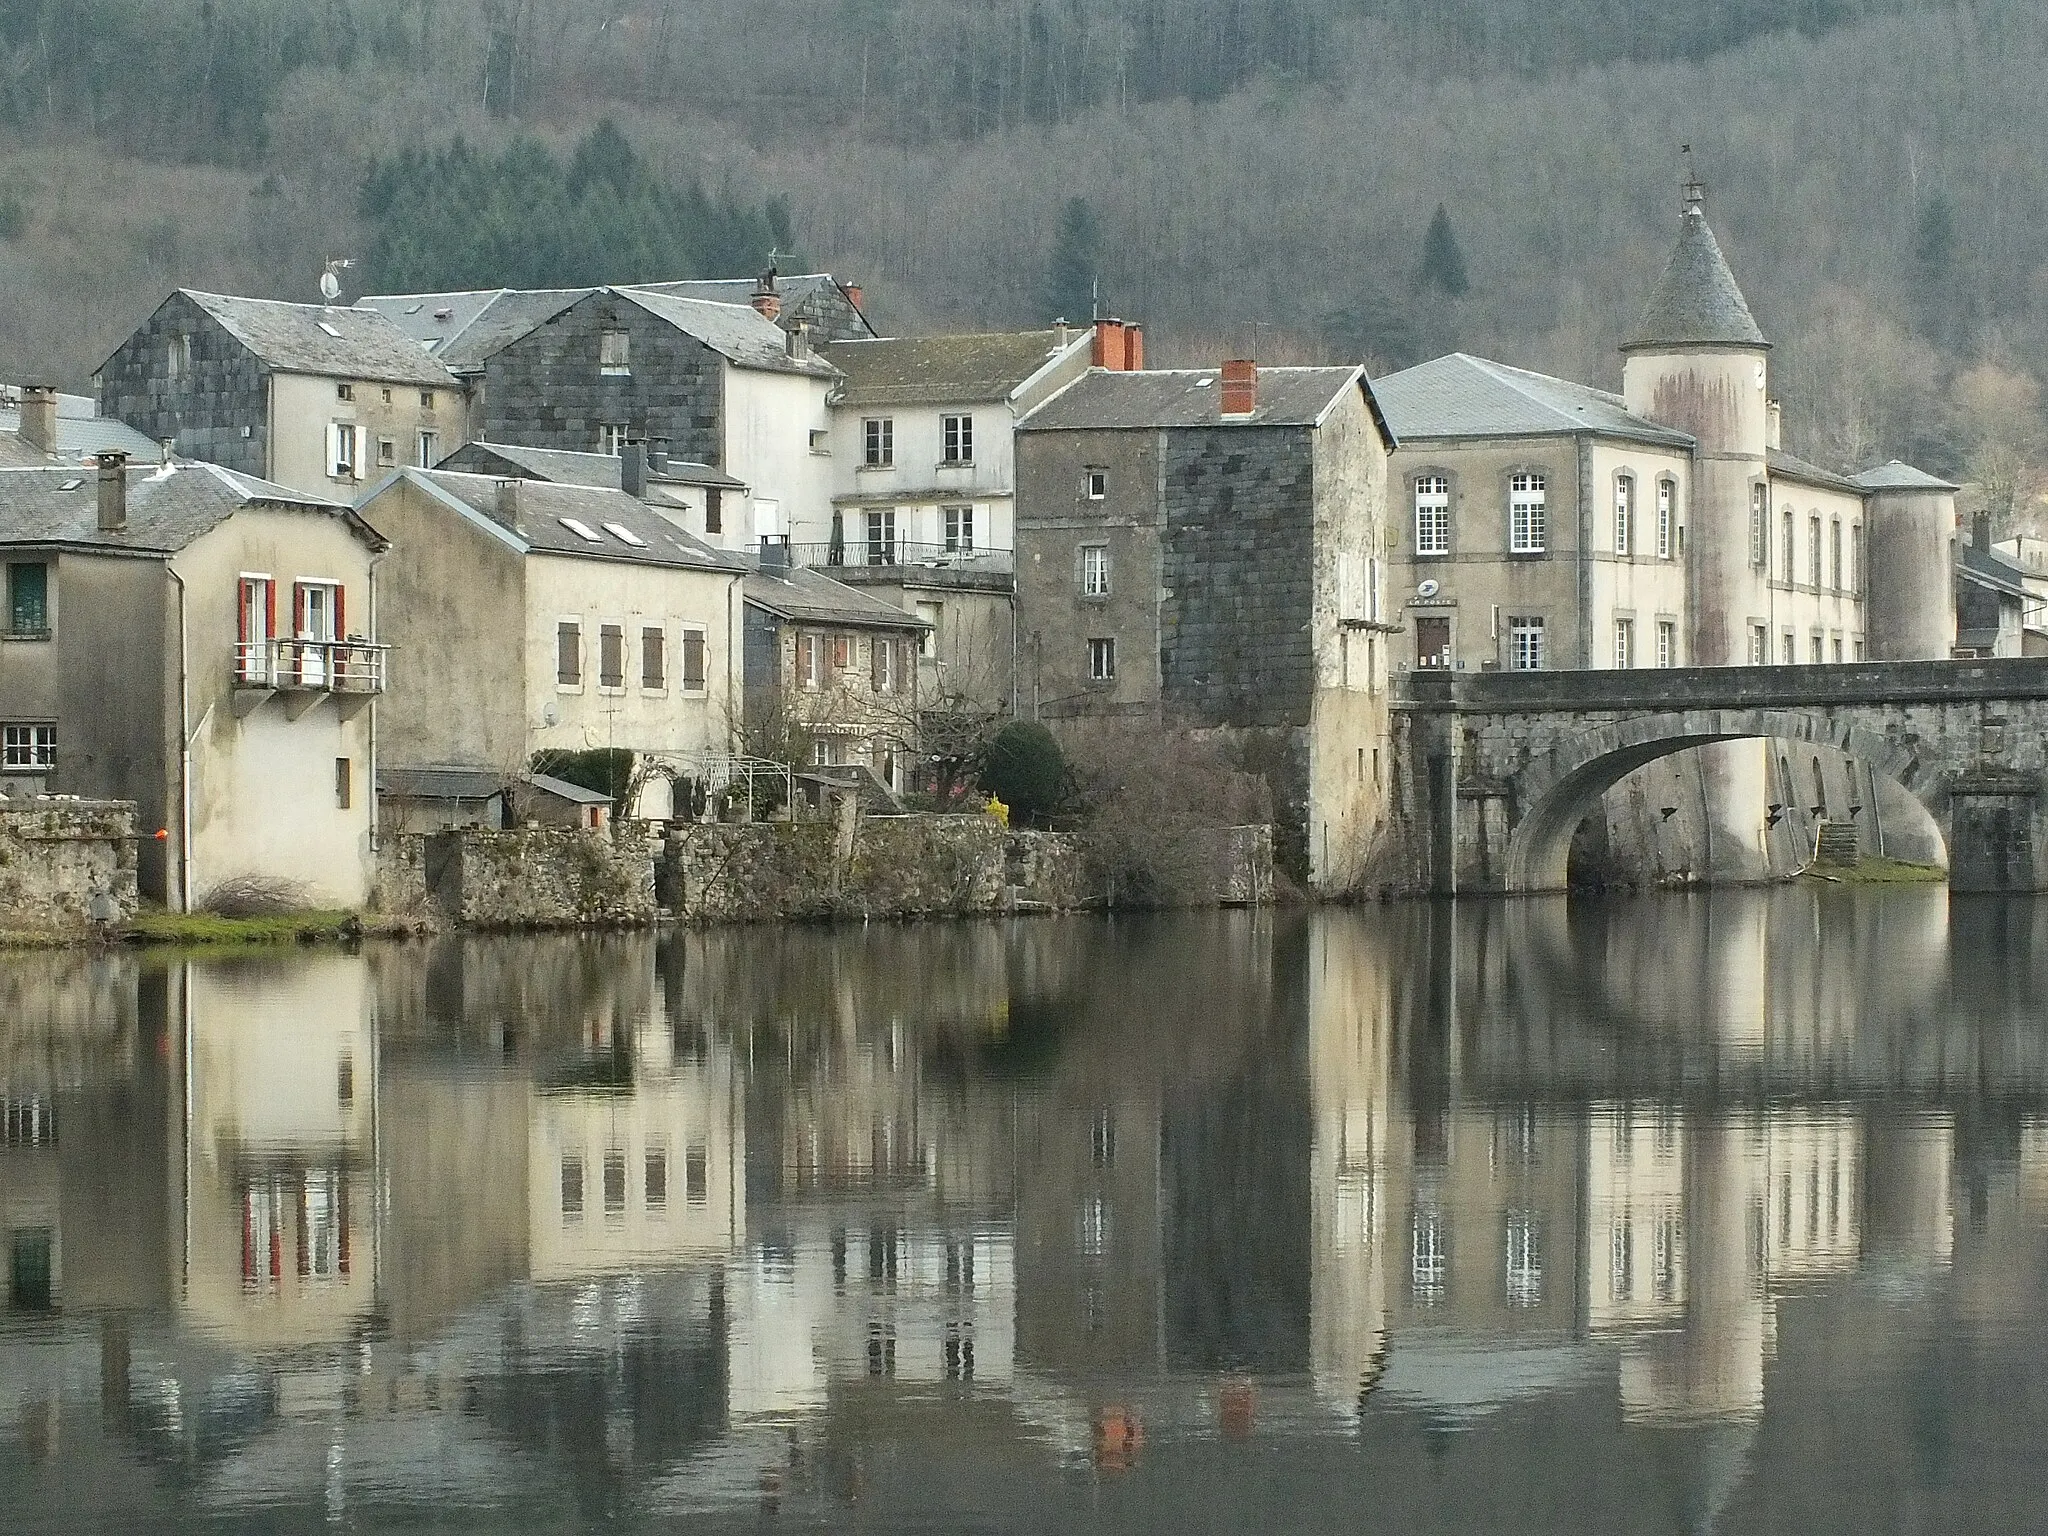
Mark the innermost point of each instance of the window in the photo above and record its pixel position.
(1759, 526)
(959, 530)
(387, 452)
(878, 442)
(1666, 518)
(611, 656)
(1524, 1270)
(1526, 511)
(956, 438)
(1855, 582)
(693, 661)
(1096, 482)
(1791, 554)
(569, 654)
(255, 628)
(178, 357)
(821, 441)
(1667, 643)
(1816, 648)
(1759, 646)
(714, 511)
(927, 642)
(1813, 550)
(341, 450)
(1788, 649)
(28, 598)
(1835, 553)
(1101, 661)
(613, 353)
(612, 437)
(653, 658)
(842, 653)
(387, 396)
(430, 449)
(615, 1183)
(1624, 514)
(1856, 648)
(1433, 515)
(344, 391)
(1525, 644)
(1835, 649)
(344, 783)
(426, 399)
(810, 660)
(696, 1174)
(882, 655)
(1428, 1263)
(1095, 570)
(572, 1186)
(1624, 643)
(881, 541)
(657, 1178)
(28, 748)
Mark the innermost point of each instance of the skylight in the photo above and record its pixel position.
(70, 485)
(413, 309)
(581, 529)
(625, 535)
(330, 330)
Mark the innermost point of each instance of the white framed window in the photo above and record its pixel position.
(430, 449)
(612, 437)
(1835, 553)
(1095, 570)
(341, 450)
(878, 442)
(387, 452)
(927, 643)
(1759, 526)
(1101, 661)
(614, 352)
(1816, 648)
(1527, 514)
(1791, 553)
(1788, 651)
(959, 530)
(810, 660)
(1525, 644)
(29, 748)
(1428, 1256)
(1667, 536)
(1856, 648)
(1835, 649)
(1813, 551)
(956, 439)
(693, 659)
(1624, 514)
(1667, 643)
(881, 536)
(1624, 643)
(1759, 645)
(1095, 482)
(1432, 515)
(1855, 581)
(885, 671)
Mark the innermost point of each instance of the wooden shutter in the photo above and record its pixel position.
(340, 612)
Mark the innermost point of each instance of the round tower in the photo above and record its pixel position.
(1695, 362)
(1909, 595)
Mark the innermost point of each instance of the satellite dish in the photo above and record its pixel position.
(330, 287)
(1429, 588)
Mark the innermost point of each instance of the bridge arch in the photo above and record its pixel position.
(1559, 789)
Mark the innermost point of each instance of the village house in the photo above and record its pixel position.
(323, 399)
(543, 618)
(1205, 549)
(695, 497)
(40, 425)
(201, 643)
(590, 370)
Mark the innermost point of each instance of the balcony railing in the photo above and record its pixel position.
(855, 553)
(315, 666)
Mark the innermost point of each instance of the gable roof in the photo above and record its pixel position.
(546, 511)
(735, 331)
(1101, 400)
(1696, 301)
(913, 370)
(570, 467)
(800, 595)
(1462, 396)
(78, 437)
(1992, 569)
(805, 295)
(331, 342)
(465, 330)
(1899, 476)
(169, 506)
(1785, 466)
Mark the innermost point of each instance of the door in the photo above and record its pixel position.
(1432, 642)
(318, 622)
(258, 623)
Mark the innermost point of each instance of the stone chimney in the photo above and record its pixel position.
(39, 417)
(767, 301)
(113, 490)
(774, 554)
(1980, 532)
(1240, 387)
(798, 342)
(1774, 426)
(633, 469)
(657, 461)
(506, 508)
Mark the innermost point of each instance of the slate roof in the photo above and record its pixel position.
(290, 338)
(436, 783)
(734, 331)
(168, 507)
(1989, 568)
(1462, 396)
(544, 504)
(1696, 301)
(477, 324)
(570, 467)
(1786, 466)
(802, 596)
(1899, 476)
(78, 437)
(562, 789)
(796, 292)
(1101, 400)
(933, 370)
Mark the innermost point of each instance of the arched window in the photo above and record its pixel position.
(1667, 518)
(1813, 551)
(1624, 514)
(1527, 519)
(1759, 527)
(1432, 515)
(1835, 553)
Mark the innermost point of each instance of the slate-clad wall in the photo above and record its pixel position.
(545, 391)
(1239, 575)
(206, 413)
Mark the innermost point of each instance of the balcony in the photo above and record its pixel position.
(351, 672)
(901, 559)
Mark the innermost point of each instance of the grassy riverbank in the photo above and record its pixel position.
(208, 928)
(1879, 871)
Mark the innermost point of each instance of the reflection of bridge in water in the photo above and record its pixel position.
(1500, 768)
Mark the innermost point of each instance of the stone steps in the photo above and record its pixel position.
(1837, 845)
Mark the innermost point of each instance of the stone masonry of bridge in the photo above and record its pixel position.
(1496, 769)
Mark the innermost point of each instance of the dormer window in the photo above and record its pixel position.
(612, 352)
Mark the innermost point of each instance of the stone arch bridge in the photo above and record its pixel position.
(1499, 768)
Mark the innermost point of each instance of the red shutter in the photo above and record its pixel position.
(340, 612)
(298, 609)
(243, 598)
(270, 608)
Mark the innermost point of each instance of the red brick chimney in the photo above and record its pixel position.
(1240, 387)
(1108, 348)
(766, 301)
(1134, 348)
(852, 292)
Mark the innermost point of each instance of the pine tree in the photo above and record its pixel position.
(1443, 264)
(1075, 266)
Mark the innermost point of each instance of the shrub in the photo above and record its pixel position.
(251, 895)
(1023, 767)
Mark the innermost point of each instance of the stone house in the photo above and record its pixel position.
(321, 399)
(590, 370)
(201, 643)
(1993, 602)
(830, 670)
(541, 617)
(1207, 549)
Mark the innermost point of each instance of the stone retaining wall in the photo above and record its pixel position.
(57, 854)
(532, 877)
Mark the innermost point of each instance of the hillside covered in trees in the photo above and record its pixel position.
(1297, 178)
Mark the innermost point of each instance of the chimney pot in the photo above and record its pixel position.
(799, 341)
(507, 512)
(1134, 348)
(1240, 387)
(774, 553)
(1980, 531)
(853, 294)
(657, 461)
(1108, 348)
(633, 469)
(766, 300)
(113, 490)
(39, 417)
(1774, 425)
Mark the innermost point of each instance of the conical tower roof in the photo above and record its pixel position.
(1696, 302)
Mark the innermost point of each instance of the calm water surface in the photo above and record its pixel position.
(1676, 1214)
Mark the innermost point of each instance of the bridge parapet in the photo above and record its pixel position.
(1697, 688)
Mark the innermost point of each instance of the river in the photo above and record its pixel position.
(1721, 1212)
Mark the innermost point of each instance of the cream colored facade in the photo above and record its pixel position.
(389, 426)
(777, 432)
